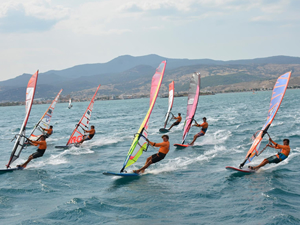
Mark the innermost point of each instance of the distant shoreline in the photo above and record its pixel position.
(107, 98)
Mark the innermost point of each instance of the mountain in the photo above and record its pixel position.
(132, 75)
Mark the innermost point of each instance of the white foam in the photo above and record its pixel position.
(52, 160)
(104, 141)
(218, 137)
(78, 151)
(277, 123)
(181, 163)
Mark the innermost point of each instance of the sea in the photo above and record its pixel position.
(190, 186)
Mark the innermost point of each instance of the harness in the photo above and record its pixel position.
(281, 156)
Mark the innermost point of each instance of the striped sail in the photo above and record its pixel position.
(83, 123)
(44, 122)
(276, 99)
(139, 143)
(19, 143)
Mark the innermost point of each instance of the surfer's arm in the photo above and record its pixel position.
(273, 142)
(151, 143)
(35, 143)
(162, 144)
(277, 146)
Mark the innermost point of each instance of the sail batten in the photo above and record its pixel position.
(142, 132)
(78, 132)
(276, 99)
(20, 138)
(44, 122)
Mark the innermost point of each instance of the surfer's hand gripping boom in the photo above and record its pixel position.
(262, 133)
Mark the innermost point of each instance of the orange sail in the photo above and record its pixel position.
(276, 99)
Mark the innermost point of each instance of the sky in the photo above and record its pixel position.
(58, 34)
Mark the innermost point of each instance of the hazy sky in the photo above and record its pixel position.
(57, 34)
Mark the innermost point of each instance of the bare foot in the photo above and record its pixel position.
(252, 168)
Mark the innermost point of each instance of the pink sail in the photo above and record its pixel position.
(20, 138)
(193, 96)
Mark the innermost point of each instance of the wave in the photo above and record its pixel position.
(181, 163)
(218, 137)
(105, 141)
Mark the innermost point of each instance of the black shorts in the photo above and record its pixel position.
(157, 157)
(38, 153)
(273, 159)
(176, 123)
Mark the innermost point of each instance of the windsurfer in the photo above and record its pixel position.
(49, 131)
(204, 126)
(178, 120)
(162, 152)
(40, 151)
(279, 157)
(90, 136)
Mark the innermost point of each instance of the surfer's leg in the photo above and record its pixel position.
(174, 124)
(28, 160)
(145, 167)
(84, 138)
(171, 126)
(147, 164)
(263, 163)
(195, 138)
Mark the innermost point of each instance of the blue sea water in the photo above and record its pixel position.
(189, 186)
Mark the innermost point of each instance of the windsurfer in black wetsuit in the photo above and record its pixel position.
(90, 136)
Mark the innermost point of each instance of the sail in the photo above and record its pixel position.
(171, 100)
(193, 96)
(44, 122)
(139, 143)
(19, 143)
(276, 99)
(83, 123)
(70, 104)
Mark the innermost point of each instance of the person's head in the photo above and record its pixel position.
(286, 141)
(43, 138)
(51, 127)
(179, 114)
(93, 127)
(165, 137)
(204, 119)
